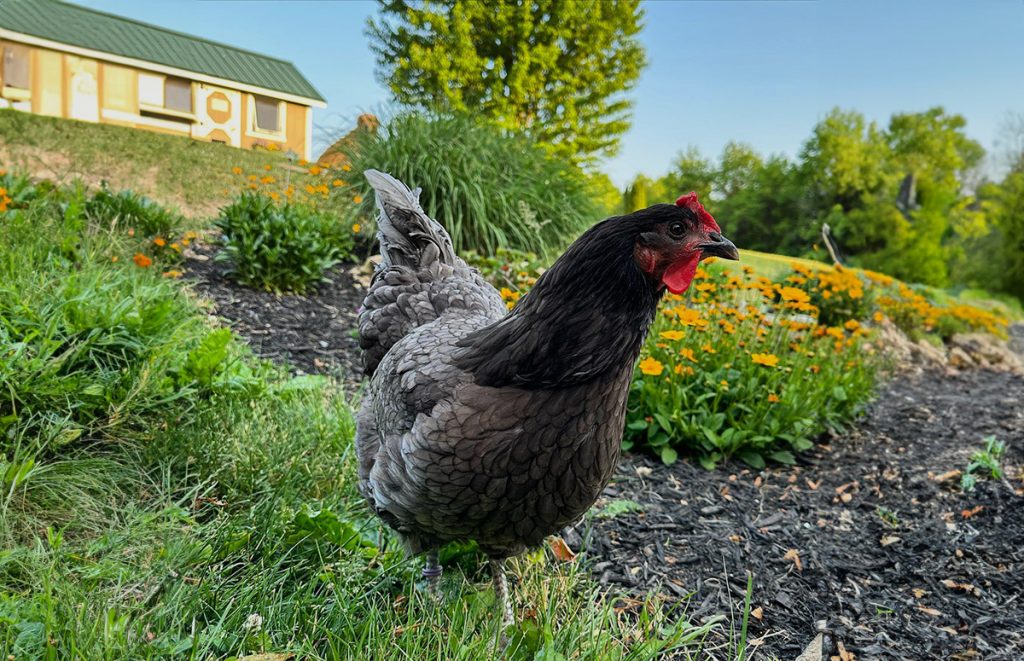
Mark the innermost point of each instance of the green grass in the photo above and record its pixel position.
(163, 494)
(192, 176)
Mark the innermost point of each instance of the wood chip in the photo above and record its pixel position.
(971, 512)
(947, 476)
(919, 592)
(811, 484)
(964, 587)
(929, 611)
(889, 539)
(757, 613)
(794, 556)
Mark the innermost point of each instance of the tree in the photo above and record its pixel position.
(559, 69)
(690, 172)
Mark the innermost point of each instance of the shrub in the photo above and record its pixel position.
(489, 187)
(279, 247)
(131, 210)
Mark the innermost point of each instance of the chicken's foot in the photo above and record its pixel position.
(504, 602)
(432, 573)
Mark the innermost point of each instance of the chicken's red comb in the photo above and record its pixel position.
(689, 201)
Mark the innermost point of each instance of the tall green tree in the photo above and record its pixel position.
(560, 69)
(690, 172)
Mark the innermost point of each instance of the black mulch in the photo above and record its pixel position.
(312, 333)
(892, 562)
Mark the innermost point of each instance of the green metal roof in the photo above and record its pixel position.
(87, 28)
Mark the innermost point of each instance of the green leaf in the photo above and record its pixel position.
(783, 457)
(751, 458)
(669, 455)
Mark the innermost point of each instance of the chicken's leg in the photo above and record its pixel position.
(432, 572)
(501, 592)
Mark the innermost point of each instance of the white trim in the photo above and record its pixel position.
(254, 131)
(152, 66)
(122, 116)
(308, 147)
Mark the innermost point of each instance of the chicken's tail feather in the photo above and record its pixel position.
(419, 277)
(407, 235)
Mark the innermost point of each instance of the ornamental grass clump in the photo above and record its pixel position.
(280, 247)
(489, 187)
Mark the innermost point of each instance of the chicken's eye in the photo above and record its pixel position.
(677, 229)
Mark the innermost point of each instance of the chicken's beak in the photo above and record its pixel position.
(718, 246)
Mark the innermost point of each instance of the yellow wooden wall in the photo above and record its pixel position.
(51, 76)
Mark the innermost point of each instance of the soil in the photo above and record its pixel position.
(866, 540)
(312, 333)
(869, 540)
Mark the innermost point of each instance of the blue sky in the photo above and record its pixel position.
(758, 71)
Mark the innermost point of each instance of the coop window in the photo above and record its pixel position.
(268, 114)
(16, 67)
(178, 94)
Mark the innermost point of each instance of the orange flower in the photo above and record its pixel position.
(687, 353)
(142, 260)
(114, 258)
(773, 398)
(268, 167)
(236, 170)
(358, 199)
(315, 170)
(337, 183)
(269, 179)
(159, 242)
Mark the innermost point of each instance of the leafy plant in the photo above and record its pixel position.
(490, 188)
(130, 210)
(985, 463)
(279, 247)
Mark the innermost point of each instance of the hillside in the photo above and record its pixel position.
(180, 172)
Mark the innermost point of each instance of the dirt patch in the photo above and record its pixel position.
(861, 540)
(311, 334)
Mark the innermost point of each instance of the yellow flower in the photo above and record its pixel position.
(236, 170)
(672, 334)
(773, 398)
(346, 167)
(685, 370)
(175, 247)
(114, 258)
(766, 359)
(356, 228)
(275, 196)
(337, 182)
(310, 189)
(794, 294)
(159, 242)
(835, 332)
(173, 273)
(815, 368)
(724, 384)
(707, 348)
(358, 199)
(651, 367)
(687, 353)
(852, 325)
(691, 317)
(879, 317)
(269, 179)
(268, 167)
(315, 170)
(253, 177)
(506, 293)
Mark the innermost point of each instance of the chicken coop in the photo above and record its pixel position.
(64, 60)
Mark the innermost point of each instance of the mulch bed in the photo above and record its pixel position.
(859, 541)
(312, 333)
(939, 578)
